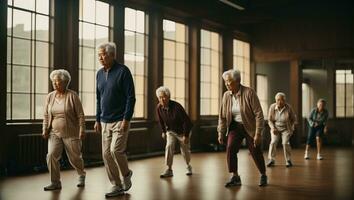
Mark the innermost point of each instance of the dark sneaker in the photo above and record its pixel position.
(270, 163)
(167, 173)
(81, 182)
(116, 190)
(263, 181)
(189, 170)
(128, 181)
(53, 186)
(234, 181)
(289, 163)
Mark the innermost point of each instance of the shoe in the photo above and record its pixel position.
(189, 170)
(270, 163)
(53, 186)
(234, 181)
(289, 163)
(319, 157)
(128, 181)
(307, 157)
(263, 181)
(81, 182)
(167, 173)
(116, 190)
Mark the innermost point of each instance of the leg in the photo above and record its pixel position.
(55, 149)
(234, 140)
(310, 138)
(256, 153)
(109, 162)
(170, 149)
(73, 151)
(185, 150)
(119, 146)
(273, 146)
(286, 145)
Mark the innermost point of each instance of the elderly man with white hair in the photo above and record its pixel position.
(241, 117)
(176, 126)
(115, 95)
(281, 120)
(64, 127)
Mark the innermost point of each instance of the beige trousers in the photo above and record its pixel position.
(171, 139)
(285, 137)
(114, 144)
(72, 148)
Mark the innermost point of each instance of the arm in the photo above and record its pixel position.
(45, 130)
(80, 115)
(98, 100)
(310, 118)
(187, 123)
(270, 121)
(161, 121)
(129, 91)
(222, 118)
(258, 113)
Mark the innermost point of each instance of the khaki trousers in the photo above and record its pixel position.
(285, 137)
(171, 139)
(114, 144)
(72, 148)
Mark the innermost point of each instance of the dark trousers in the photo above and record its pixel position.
(234, 139)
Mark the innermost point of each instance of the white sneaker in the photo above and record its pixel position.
(319, 157)
(167, 173)
(128, 181)
(307, 155)
(81, 182)
(189, 170)
(116, 190)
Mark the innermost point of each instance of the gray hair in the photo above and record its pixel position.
(235, 74)
(164, 90)
(280, 94)
(109, 47)
(62, 74)
(321, 100)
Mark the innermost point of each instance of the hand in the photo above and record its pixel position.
(185, 139)
(163, 135)
(124, 126)
(45, 135)
(82, 135)
(315, 124)
(220, 139)
(97, 127)
(275, 131)
(257, 140)
(325, 130)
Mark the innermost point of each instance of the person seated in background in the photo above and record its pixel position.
(317, 121)
(176, 126)
(281, 120)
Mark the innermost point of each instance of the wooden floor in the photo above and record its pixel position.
(330, 178)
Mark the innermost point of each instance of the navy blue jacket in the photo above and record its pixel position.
(116, 95)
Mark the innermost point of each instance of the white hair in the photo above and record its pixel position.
(62, 74)
(109, 47)
(321, 100)
(164, 90)
(280, 94)
(233, 73)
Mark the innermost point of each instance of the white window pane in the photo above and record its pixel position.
(205, 39)
(21, 51)
(8, 107)
(169, 49)
(41, 79)
(246, 50)
(205, 56)
(139, 65)
(129, 61)
(214, 58)
(42, 6)
(8, 78)
(214, 107)
(25, 4)
(102, 13)
(21, 106)
(170, 83)
(140, 22)
(102, 34)
(42, 27)
(8, 52)
(39, 109)
(42, 54)
(130, 19)
(129, 42)
(215, 41)
(139, 84)
(169, 68)
(180, 33)
(180, 69)
(205, 107)
(205, 74)
(181, 51)
(87, 80)
(169, 28)
(88, 103)
(89, 10)
(22, 25)
(139, 106)
(140, 44)
(180, 88)
(21, 79)
(88, 58)
(88, 34)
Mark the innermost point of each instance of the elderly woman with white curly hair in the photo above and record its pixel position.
(64, 127)
(176, 126)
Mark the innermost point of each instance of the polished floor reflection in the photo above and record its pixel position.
(330, 178)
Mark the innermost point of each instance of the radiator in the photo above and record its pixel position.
(31, 151)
